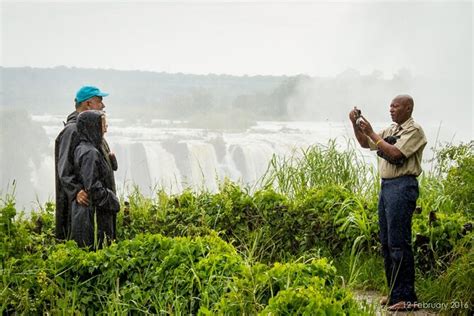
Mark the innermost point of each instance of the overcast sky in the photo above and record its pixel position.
(432, 39)
(321, 38)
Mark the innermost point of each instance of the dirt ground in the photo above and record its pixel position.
(373, 298)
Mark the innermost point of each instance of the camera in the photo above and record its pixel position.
(358, 112)
(358, 117)
(392, 140)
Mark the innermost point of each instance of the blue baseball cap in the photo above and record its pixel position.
(88, 92)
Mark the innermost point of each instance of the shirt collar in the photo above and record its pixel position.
(399, 127)
(406, 124)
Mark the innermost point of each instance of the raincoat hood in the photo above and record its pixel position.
(89, 127)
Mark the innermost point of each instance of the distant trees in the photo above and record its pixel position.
(146, 95)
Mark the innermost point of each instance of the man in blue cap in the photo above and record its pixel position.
(68, 187)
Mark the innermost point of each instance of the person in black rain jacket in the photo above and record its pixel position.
(68, 187)
(96, 177)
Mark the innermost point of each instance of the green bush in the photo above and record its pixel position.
(150, 273)
(264, 289)
(456, 165)
(312, 300)
(156, 274)
(436, 236)
(222, 249)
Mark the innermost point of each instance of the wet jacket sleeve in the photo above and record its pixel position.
(110, 157)
(65, 160)
(89, 171)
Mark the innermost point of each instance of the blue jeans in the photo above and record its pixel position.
(397, 202)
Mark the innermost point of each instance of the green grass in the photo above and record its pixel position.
(320, 166)
(245, 251)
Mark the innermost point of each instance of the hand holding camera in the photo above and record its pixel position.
(358, 116)
(360, 121)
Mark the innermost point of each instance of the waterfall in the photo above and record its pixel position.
(204, 167)
(162, 167)
(174, 158)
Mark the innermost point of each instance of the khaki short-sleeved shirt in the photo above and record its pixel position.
(411, 143)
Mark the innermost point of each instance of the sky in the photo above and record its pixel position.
(432, 40)
(242, 38)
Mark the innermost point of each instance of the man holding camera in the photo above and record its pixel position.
(400, 148)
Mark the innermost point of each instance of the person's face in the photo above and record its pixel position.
(399, 111)
(104, 124)
(95, 103)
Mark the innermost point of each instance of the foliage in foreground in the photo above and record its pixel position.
(161, 275)
(324, 212)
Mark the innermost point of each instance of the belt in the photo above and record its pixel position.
(400, 177)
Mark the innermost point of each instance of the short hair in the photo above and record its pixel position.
(406, 99)
(78, 104)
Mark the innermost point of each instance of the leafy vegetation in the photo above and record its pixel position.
(273, 250)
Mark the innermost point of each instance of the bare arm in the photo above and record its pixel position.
(389, 150)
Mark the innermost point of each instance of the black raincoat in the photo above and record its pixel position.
(96, 176)
(67, 185)
(64, 147)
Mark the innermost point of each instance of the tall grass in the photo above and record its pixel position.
(445, 206)
(319, 166)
